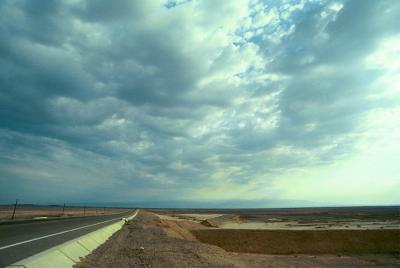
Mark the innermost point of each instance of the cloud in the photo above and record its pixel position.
(164, 99)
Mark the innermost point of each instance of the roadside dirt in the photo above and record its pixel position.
(303, 241)
(149, 241)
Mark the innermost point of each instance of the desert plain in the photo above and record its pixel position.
(28, 212)
(299, 237)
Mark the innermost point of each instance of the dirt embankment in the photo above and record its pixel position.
(304, 241)
(148, 241)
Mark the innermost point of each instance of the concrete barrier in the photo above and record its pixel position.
(69, 253)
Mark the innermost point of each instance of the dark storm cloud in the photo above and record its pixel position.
(150, 101)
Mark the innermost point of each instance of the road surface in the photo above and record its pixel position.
(19, 241)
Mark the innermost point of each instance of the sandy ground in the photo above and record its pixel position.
(49, 211)
(293, 225)
(149, 241)
(303, 241)
(189, 217)
(277, 222)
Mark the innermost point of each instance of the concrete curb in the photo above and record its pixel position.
(69, 253)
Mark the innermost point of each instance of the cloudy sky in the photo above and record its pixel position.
(200, 100)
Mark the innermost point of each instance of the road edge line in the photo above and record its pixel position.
(69, 253)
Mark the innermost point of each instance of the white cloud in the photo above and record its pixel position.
(160, 98)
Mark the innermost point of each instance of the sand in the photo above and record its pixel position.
(303, 241)
(149, 241)
(294, 225)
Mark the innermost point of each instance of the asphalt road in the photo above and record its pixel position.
(19, 241)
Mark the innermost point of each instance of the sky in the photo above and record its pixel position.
(200, 101)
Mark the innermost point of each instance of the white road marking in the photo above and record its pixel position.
(50, 235)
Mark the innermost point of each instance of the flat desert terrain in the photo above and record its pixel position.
(30, 212)
(312, 237)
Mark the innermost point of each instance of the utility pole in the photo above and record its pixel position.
(63, 209)
(15, 208)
